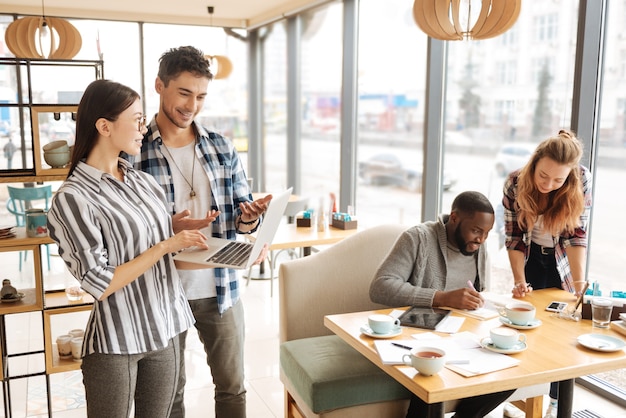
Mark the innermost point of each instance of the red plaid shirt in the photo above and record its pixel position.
(518, 239)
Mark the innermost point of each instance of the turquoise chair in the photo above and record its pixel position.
(22, 198)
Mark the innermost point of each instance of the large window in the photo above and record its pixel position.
(322, 31)
(390, 113)
(518, 98)
(606, 241)
(275, 107)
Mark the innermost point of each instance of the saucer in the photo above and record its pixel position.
(532, 324)
(489, 345)
(15, 298)
(600, 342)
(365, 329)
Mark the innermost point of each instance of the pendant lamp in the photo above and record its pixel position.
(453, 20)
(43, 37)
(223, 63)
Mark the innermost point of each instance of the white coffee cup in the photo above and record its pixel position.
(382, 324)
(505, 338)
(426, 360)
(64, 346)
(519, 313)
(76, 333)
(77, 348)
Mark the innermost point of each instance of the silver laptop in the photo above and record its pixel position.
(237, 254)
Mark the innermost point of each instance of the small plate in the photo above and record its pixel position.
(19, 296)
(600, 342)
(532, 324)
(365, 329)
(489, 345)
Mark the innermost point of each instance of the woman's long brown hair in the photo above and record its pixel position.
(101, 99)
(565, 204)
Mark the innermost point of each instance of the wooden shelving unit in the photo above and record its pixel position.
(27, 107)
(56, 303)
(28, 115)
(37, 300)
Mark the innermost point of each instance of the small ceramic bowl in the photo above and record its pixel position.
(56, 146)
(57, 159)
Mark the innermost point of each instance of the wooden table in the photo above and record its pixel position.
(553, 355)
(290, 236)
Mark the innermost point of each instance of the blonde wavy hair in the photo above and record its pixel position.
(565, 204)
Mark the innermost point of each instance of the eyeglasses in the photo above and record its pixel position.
(141, 123)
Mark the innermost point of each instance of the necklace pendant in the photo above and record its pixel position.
(192, 194)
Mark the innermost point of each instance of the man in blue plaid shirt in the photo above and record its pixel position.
(206, 187)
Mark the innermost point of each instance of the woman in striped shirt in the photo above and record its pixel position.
(115, 236)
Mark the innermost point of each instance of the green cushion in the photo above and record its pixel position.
(329, 374)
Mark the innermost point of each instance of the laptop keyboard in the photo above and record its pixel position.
(235, 253)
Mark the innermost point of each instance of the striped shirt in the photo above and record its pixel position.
(518, 239)
(229, 188)
(99, 223)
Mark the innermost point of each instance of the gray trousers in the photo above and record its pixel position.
(114, 381)
(223, 340)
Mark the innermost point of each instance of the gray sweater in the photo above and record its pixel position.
(416, 267)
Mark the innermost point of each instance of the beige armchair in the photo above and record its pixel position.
(323, 376)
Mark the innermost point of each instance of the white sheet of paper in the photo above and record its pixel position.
(450, 324)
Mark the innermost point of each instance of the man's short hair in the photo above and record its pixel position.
(471, 202)
(185, 58)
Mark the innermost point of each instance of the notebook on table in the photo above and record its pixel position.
(236, 254)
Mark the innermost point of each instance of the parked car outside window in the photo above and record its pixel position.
(387, 170)
(513, 156)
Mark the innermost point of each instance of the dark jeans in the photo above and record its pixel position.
(223, 339)
(474, 407)
(540, 269)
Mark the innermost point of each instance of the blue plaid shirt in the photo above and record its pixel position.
(229, 187)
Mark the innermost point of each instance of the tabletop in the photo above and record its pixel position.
(292, 236)
(22, 239)
(553, 353)
(260, 195)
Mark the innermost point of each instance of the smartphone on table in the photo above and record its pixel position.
(556, 306)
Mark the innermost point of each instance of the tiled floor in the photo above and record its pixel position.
(265, 392)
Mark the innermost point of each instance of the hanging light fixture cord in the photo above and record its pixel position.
(209, 9)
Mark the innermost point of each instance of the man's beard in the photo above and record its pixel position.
(461, 245)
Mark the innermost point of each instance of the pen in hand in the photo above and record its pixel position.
(471, 286)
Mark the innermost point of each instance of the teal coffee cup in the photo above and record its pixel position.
(36, 223)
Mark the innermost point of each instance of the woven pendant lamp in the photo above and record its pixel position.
(43, 37)
(454, 20)
(223, 63)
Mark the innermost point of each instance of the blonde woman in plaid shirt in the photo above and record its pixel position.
(546, 212)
